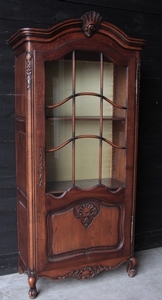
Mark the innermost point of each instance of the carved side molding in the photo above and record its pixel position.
(21, 124)
(91, 22)
(40, 167)
(86, 213)
(29, 57)
(138, 77)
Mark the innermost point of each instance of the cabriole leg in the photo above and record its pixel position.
(32, 285)
(130, 267)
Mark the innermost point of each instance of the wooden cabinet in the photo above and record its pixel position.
(76, 95)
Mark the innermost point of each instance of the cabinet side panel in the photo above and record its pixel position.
(20, 85)
(21, 160)
(22, 232)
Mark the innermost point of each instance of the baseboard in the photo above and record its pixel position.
(148, 240)
(8, 263)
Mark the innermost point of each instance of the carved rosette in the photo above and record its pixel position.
(91, 22)
(28, 70)
(84, 273)
(86, 213)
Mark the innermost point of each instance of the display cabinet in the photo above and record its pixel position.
(76, 106)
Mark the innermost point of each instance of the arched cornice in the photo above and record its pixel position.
(73, 26)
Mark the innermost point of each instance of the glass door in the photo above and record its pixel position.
(86, 105)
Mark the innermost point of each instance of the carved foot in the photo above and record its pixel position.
(130, 267)
(32, 291)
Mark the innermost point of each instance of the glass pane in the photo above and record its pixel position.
(59, 169)
(106, 160)
(85, 67)
(120, 90)
(58, 125)
(88, 106)
(118, 166)
(107, 130)
(87, 127)
(113, 172)
(57, 132)
(87, 162)
(119, 138)
(108, 87)
(113, 159)
(58, 80)
(114, 131)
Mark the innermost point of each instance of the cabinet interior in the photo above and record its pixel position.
(86, 110)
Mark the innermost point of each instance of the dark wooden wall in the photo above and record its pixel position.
(138, 18)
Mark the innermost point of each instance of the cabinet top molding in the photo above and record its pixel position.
(88, 25)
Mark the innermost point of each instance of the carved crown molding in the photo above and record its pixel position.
(91, 22)
(86, 213)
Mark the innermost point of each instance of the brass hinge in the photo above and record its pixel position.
(132, 229)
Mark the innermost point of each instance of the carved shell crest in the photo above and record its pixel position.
(91, 22)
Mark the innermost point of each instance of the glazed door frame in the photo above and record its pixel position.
(48, 52)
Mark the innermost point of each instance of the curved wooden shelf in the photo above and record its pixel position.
(85, 118)
(59, 187)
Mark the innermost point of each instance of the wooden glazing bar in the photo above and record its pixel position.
(84, 136)
(86, 94)
(73, 116)
(101, 117)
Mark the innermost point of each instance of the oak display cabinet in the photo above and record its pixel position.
(76, 95)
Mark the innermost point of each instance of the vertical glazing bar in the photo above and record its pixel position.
(73, 117)
(101, 117)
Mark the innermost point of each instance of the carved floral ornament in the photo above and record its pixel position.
(91, 22)
(85, 273)
(28, 70)
(86, 213)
